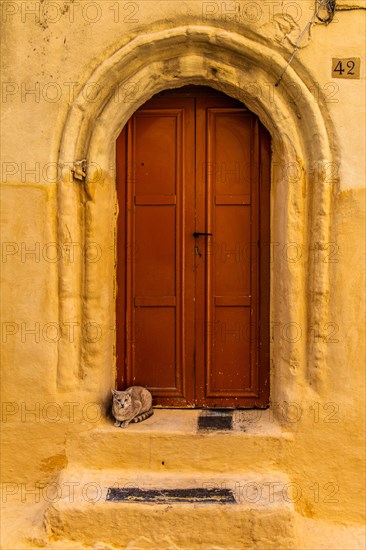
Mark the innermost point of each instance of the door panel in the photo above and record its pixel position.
(229, 148)
(157, 343)
(155, 237)
(154, 139)
(233, 245)
(189, 308)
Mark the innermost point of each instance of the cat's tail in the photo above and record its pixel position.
(143, 416)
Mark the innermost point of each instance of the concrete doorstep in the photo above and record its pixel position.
(177, 480)
(256, 511)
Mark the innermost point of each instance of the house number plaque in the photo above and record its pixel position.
(346, 67)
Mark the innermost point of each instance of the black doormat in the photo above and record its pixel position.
(215, 420)
(164, 496)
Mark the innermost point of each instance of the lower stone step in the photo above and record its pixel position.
(173, 511)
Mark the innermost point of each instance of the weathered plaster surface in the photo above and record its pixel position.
(56, 379)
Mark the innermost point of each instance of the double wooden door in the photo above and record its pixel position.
(193, 246)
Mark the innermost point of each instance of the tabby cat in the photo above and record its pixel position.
(131, 405)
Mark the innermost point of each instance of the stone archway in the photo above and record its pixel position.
(301, 193)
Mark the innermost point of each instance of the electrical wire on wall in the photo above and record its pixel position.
(323, 12)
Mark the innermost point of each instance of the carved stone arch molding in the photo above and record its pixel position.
(301, 191)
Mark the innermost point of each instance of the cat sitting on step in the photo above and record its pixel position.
(131, 405)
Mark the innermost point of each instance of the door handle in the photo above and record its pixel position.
(197, 234)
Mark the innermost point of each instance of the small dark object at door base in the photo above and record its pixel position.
(215, 420)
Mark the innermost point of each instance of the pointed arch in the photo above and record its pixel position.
(300, 197)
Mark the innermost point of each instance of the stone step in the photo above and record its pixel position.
(176, 440)
(164, 511)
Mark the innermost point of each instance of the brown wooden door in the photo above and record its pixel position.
(193, 310)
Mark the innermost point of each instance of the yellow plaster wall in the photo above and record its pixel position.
(54, 54)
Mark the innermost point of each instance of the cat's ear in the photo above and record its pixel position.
(113, 391)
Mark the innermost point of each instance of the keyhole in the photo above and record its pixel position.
(197, 251)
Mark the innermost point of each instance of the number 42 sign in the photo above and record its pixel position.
(346, 67)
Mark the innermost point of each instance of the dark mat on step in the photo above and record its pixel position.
(215, 420)
(164, 496)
